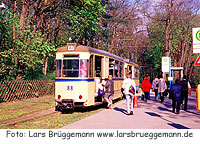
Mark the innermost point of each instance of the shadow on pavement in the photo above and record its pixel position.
(168, 104)
(193, 112)
(164, 109)
(153, 114)
(120, 110)
(178, 126)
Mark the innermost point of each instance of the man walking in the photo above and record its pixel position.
(155, 86)
(175, 93)
(109, 93)
(185, 88)
(162, 86)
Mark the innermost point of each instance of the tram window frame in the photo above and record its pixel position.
(76, 74)
(98, 66)
(58, 72)
(70, 55)
(121, 69)
(111, 71)
(91, 66)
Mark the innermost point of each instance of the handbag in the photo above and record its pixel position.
(101, 92)
(135, 102)
(165, 93)
(132, 90)
(142, 97)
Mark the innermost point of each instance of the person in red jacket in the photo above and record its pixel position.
(146, 85)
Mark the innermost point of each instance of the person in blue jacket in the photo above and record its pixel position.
(175, 94)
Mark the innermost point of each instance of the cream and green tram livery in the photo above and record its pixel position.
(78, 72)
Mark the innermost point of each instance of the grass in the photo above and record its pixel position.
(52, 121)
(11, 110)
(56, 120)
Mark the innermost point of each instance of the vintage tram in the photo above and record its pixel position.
(78, 70)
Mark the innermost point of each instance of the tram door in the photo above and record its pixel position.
(95, 66)
(98, 69)
(98, 66)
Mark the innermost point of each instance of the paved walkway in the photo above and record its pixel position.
(150, 115)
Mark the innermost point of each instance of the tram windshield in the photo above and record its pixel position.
(71, 68)
(84, 68)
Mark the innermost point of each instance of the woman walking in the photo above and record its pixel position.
(146, 86)
(129, 96)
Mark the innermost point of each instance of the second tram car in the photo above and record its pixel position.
(78, 71)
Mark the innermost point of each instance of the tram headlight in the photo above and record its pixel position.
(59, 96)
(80, 97)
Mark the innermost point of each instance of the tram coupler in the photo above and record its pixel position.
(65, 104)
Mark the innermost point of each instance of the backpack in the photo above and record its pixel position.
(184, 84)
(156, 83)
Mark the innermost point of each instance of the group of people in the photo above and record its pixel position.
(109, 92)
(178, 92)
(159, 86)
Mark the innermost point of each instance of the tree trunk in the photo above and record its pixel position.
(189, 62)
(14, 37)
(45, 66)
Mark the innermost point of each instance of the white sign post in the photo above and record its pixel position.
(165, 64)
(196, 39)
(2, 5)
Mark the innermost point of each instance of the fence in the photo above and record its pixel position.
(23, 89)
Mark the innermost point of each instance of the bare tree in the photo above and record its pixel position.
(126, 26)
(177, 19)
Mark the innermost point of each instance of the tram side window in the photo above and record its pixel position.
(71, 68)
(83, 68)
(136, 73)
(97, 66)
(116, 68)
(111, 67)
(58, 68)
(121, 70)
(130, 70)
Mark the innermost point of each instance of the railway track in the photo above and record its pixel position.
(28, 117)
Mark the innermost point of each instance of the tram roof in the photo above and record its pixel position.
(81, 48)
